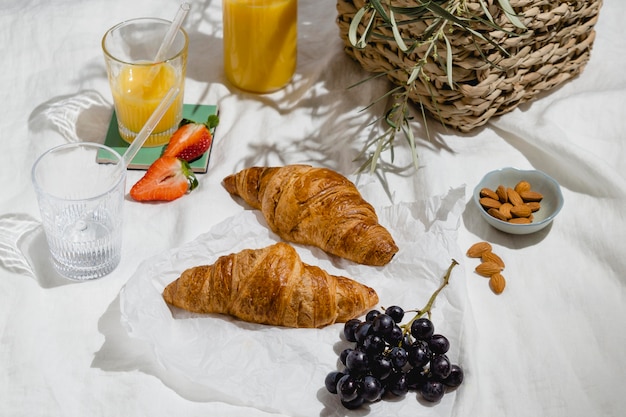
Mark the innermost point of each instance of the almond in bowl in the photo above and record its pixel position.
(518, 201)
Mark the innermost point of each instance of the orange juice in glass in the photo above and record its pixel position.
(260, 43)
(137, 83)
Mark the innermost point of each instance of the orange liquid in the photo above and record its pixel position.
(136, 97)
(260, 43)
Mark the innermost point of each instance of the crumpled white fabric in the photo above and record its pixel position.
(279, 369)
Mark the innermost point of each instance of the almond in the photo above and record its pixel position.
(534, 206)
(501, 191)
(520, 220)
(531, 196)
(492, 257)
(488, 203)
(494, 212)
(505, 209)
(487, 192)
(478, 249)
(514, 197)
(497, 283)
(522, 186)
(520, 210)
(487, 269)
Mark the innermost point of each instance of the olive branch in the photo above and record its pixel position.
(442, 18)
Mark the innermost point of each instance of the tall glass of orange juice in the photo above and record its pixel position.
(138, 84)
(260, 43)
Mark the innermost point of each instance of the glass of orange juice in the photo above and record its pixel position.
(138, 84)
(260, 43)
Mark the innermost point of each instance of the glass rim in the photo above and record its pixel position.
(135, 20)
(121, 169)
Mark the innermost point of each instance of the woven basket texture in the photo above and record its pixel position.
(555, 48)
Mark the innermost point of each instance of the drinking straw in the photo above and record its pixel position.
(171, 33)
(147, 129)
(167, 40)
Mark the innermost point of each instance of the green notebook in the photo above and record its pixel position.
(146, 156)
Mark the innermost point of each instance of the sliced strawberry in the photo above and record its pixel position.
(168, 178)
(191, 139)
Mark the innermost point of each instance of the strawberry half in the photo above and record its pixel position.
(191, 139)
(167, 179)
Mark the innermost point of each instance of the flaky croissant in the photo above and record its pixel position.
(270, 286)
(318, 207)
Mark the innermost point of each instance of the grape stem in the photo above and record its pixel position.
(428, 307)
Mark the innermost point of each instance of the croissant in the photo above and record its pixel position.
(270, 286)
(318, 207)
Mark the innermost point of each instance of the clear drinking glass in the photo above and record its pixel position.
(138, 84)
(81, 203)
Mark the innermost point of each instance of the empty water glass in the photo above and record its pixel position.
(81, 202)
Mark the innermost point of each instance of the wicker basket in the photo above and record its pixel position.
(555, 48)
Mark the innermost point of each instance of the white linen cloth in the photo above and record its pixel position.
(550, 345)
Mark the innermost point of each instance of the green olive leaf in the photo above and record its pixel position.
(449, 62)
(396, 33)
(361, 42)
(510, 14)
(376, 4)
(485, 9)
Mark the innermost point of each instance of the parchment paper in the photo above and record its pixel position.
(279, 369)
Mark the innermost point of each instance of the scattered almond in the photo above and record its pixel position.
(478, 249)
(497, 283)
(487, 269)
(491, 265)
(492, 257)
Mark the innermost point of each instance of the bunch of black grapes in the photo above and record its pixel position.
(389, 359)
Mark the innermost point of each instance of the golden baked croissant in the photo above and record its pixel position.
(318, 207)
(270, 286)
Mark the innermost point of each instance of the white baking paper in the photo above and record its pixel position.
(280, 369)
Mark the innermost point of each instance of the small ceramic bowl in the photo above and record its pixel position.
(551, 203)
